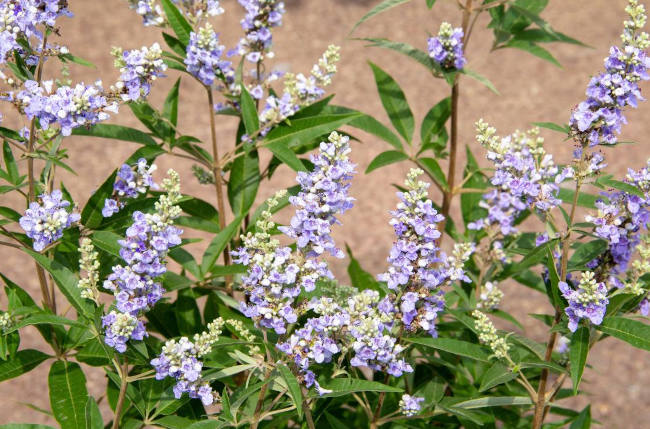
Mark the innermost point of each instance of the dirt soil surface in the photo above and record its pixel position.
(530, 90)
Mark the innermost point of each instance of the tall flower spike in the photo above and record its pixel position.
(418, 269)
(45, 222)
(599, 118)
(144, 249)
(487, 334)
(261, 16)
(89, 264)
(589, 301)
(446, 48)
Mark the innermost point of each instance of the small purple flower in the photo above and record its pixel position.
(45, 222)
(588, 301)
(446, 48)
(138, 69)
(204, 58)
(410, 405)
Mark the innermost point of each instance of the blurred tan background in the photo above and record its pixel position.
(531, 90)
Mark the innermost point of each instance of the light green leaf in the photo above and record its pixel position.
(176, 20)
(68, 394)
(534, 49)
(403, 48)
(564, 129)
(44, 319)
(480, 78)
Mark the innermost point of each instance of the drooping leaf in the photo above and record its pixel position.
(386, 158)
(480, 78)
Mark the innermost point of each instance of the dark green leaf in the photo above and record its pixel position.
(435, 119)
(386, 158)
(170, 108)
(494, 401)
(578, 355)
(394, 102)
(631, 331)
(93, 415)
(249, 112)
(469, 202)
(370, 125)
(457, 347)
(68, 394)
(305, 129)
(497, 374)
(345, 386)
(117, 132)
(404, 49)
(583, 421)
(480, 78)
(218, 244)
(176, 20)
(534, 49)
(360, 278)
(244, 182)
(433, 170)
(287, 156)
(584, 199)
(91, 215)
(293, 387)
(585, 253)
(23, 361)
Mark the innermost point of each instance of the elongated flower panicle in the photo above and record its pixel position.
(300, 90)
(89, 263)
(204, 58)
(525, 177)
(45, 221)
(418, 269)
(588, 301)
(261, 16)
(410, 405)
(490, 297)
(487, 334)
(446, 48)
(599, 118)
(323, 195)
(131, 182)
(181, 359)
(144, 249)
(68, 107)
(138, 69)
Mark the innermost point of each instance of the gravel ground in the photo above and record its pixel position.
(530, 90)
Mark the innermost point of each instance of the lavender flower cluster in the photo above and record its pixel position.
(130, 183)
(588, 301)
(410, 405)
(446, 48)
(138, 69)
(525, 177)
(68, 107)
(143, 250)
(204, 58)
(182, 360)
(21, 18)
(261, 16)
(45, 222)
(276, 276)
(620, 221)
(599, 118)
(418, 269)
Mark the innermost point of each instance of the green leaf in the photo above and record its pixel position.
(394, 102)
(480, 78)
(497, 374)
(457, 347)
(249, 112)
(631, 331)
(44, 319)
(293, 387)
(175, 45)
(430, 3)
(243, 182)
(578, 355)
(23, 361)
(435, 119)
(305, 129)
(494, 401)
(607, 181)
(469, 202)
(533, 257)
(345, 386)
(381, 7)
(24, 426)
(93, 415)
(176, 20)
(287, 156)
(66, 280)
(188, 316)
(370, 125)
(584, 199)
(585, 253)
(170, 108)
(10, 163)
(107, 241)
(534, 49)
(116, 132)
(68, 394)
(433, 170)
(219, 243)
(386, 158)
(91, 215)
(564, 129)
(583, 421)
(404, 49)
